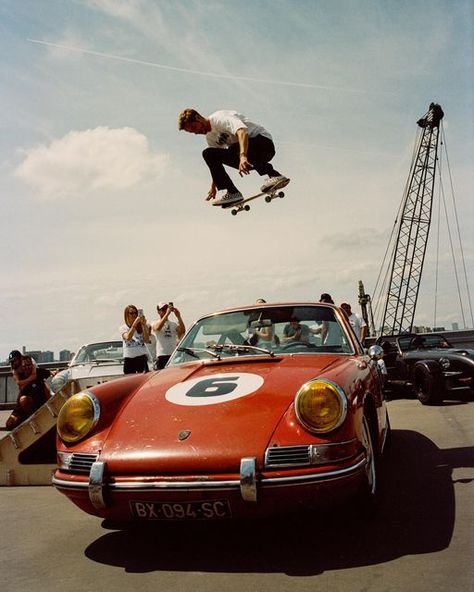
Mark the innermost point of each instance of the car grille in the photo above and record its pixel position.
(287, 456)
(81, 463)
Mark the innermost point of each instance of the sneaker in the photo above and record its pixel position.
(274, 183)
(228, 199)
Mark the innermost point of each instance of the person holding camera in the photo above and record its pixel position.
(168, 333)
(135, 334)
(33, 391)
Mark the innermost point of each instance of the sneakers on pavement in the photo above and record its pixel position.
(228, 199)
(274, 183)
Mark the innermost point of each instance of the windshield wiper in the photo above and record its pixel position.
(243, 348)
(192, 352)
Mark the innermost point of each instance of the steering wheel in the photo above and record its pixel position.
(292, 344)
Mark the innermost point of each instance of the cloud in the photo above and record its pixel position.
(90, 161)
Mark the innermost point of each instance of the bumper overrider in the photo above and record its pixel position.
(289, 474)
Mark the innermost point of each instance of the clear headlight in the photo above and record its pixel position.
(321, 406)
(78, 416)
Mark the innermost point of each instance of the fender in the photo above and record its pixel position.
(432, 366)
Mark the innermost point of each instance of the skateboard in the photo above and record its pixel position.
(269, 197)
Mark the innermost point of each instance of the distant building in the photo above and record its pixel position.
(438, 329)
(65, 355)
(40, 356)
(47, 356)
(455, 326)
(35, 354)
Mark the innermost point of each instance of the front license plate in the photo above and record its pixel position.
(205, 510)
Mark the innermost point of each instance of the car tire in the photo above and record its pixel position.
(428, 386)
(370, 485)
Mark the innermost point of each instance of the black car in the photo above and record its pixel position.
(428, 365)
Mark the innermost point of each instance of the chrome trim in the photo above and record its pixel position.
(81, 463)
(288, 456)
(63, 484)
(218, 485)
(96, 485)
(248, 479)
(303, 455)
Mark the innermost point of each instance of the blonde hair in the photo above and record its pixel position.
(125, 316)
(187, 116)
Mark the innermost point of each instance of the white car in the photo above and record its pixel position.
(93, 364)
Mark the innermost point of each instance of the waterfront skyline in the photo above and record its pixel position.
(103, 199)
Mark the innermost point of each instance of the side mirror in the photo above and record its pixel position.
(375, 352)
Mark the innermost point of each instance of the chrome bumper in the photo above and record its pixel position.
(98, 486)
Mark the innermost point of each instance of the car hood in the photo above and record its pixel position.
(99, 369)
(201, 418)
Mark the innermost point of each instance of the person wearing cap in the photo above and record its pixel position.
(357, 322)
(167, 333)
(33, 391)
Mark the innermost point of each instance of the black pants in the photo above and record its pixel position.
(260, 151)
(135, 365)
(160, 362)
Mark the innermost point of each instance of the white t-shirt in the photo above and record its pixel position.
(224, 125)
(166, 339)
(135, 346)
(357, 323)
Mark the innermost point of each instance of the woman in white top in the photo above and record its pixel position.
(135, 334)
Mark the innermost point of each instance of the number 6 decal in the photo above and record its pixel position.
(218, 388)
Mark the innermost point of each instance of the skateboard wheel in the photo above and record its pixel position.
(281, 194)
(268, 198)
(234, 212)
(246, 208)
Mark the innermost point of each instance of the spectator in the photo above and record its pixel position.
(135, 334)
(168, 333)
(33, 391)
(264, 336)
(357, 322)
(323, 329)
(325, 297)
(295, 331)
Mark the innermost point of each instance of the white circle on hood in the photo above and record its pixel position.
(214, 388)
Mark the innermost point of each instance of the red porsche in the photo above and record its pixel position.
(261, 409)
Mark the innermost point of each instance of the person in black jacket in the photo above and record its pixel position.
(33, 391)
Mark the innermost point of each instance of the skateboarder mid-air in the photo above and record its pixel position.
(237, 142)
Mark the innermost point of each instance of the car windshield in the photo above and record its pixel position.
(423, 341)
(265, 332)
(106, 351)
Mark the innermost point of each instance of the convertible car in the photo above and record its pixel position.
(428, 365)
(93, 364)
(262, 409)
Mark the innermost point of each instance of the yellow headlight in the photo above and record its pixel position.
(321, 406)
(77, 417)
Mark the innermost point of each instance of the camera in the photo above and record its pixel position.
(140, 312)
(170, 304)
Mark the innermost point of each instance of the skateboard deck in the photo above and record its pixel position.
(270, 195)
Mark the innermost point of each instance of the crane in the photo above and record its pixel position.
(413, 229)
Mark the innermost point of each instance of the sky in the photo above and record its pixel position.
(103, 199)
